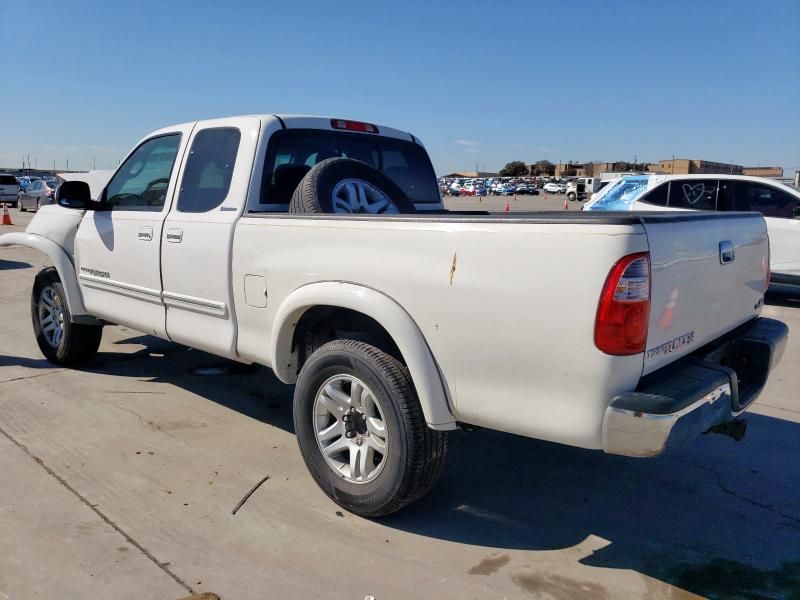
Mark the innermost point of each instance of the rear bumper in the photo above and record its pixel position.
(694, 394)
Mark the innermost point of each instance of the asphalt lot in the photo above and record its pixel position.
(119, 481)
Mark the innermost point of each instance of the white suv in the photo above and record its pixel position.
(9, 188)
(779, 203)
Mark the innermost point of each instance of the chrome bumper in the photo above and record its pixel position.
(695, 394)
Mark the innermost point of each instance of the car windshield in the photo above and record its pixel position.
(622, 194)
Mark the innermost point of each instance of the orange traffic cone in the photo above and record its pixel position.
(507, 208)
(6, 216)
(566, 206)
(665, 319)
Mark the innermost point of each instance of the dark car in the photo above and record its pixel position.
(526, 189)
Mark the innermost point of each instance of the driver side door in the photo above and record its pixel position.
(117, 251)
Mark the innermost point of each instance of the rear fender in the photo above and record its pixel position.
(61, 262)
(391, 316)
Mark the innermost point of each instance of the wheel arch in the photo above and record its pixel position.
(61, 262)
(388, 315)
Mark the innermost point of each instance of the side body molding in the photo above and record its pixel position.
(60, 260)
(397, 322)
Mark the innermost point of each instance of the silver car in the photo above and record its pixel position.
(39, 193)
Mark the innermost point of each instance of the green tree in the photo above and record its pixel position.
(544, 167)
(514, 169)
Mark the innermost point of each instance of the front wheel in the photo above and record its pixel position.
(361, 429)
(61, 341)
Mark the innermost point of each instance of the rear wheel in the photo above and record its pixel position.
(61, 341)
(361, 429)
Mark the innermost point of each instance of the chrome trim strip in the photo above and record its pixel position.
(192, 303)
(118, 287)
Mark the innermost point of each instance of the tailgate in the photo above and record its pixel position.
(700, 289)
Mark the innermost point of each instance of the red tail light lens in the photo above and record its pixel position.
(624, 310)
(353, 126)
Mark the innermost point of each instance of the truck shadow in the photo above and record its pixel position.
(781, 295)
(8, 265)
(251, 390)
(710, 516)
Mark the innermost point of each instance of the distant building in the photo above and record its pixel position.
(569, 169)
(690, 166)
(763, 171)
(589, 169)
(470, 175)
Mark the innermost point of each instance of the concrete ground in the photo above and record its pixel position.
(119, 481)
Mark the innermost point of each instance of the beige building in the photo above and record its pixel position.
(689, 166)
(763, 171)
(586, 169)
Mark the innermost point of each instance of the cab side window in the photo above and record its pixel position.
(697, 194)
(141, 183)
(209, 169)
(657, 196)
(769, 201)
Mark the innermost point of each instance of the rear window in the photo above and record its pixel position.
(696, 194)
(293, 152)
(8, 180)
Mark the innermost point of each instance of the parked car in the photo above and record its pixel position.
(468, 190)
(504, 190)
(9, 189)
(779, 203)
(527, 189)
(204, 237)
(554, 188)
(26, 181)
(39, 193)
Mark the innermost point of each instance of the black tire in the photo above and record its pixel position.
(21, 208)
(79, 343)
(415, 453)
(314, 194)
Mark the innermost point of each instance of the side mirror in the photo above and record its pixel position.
(796, 212)
(76, 194)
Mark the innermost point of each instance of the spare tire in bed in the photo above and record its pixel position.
(347, 186)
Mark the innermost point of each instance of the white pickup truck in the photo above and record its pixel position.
(320, 248)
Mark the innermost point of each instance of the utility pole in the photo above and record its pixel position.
(94, 164)
(672, 170)
(67, 164)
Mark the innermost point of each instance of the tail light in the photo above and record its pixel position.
(624, 310)
(353, 126)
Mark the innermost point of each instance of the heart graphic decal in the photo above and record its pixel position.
(693, 193)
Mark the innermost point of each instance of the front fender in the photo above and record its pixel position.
(60, 260)
(397, 322)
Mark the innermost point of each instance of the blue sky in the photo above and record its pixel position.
(478, 82)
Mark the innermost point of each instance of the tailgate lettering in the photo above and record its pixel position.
(673, 345)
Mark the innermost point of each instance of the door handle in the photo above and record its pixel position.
(174, 235)
(145, 233)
